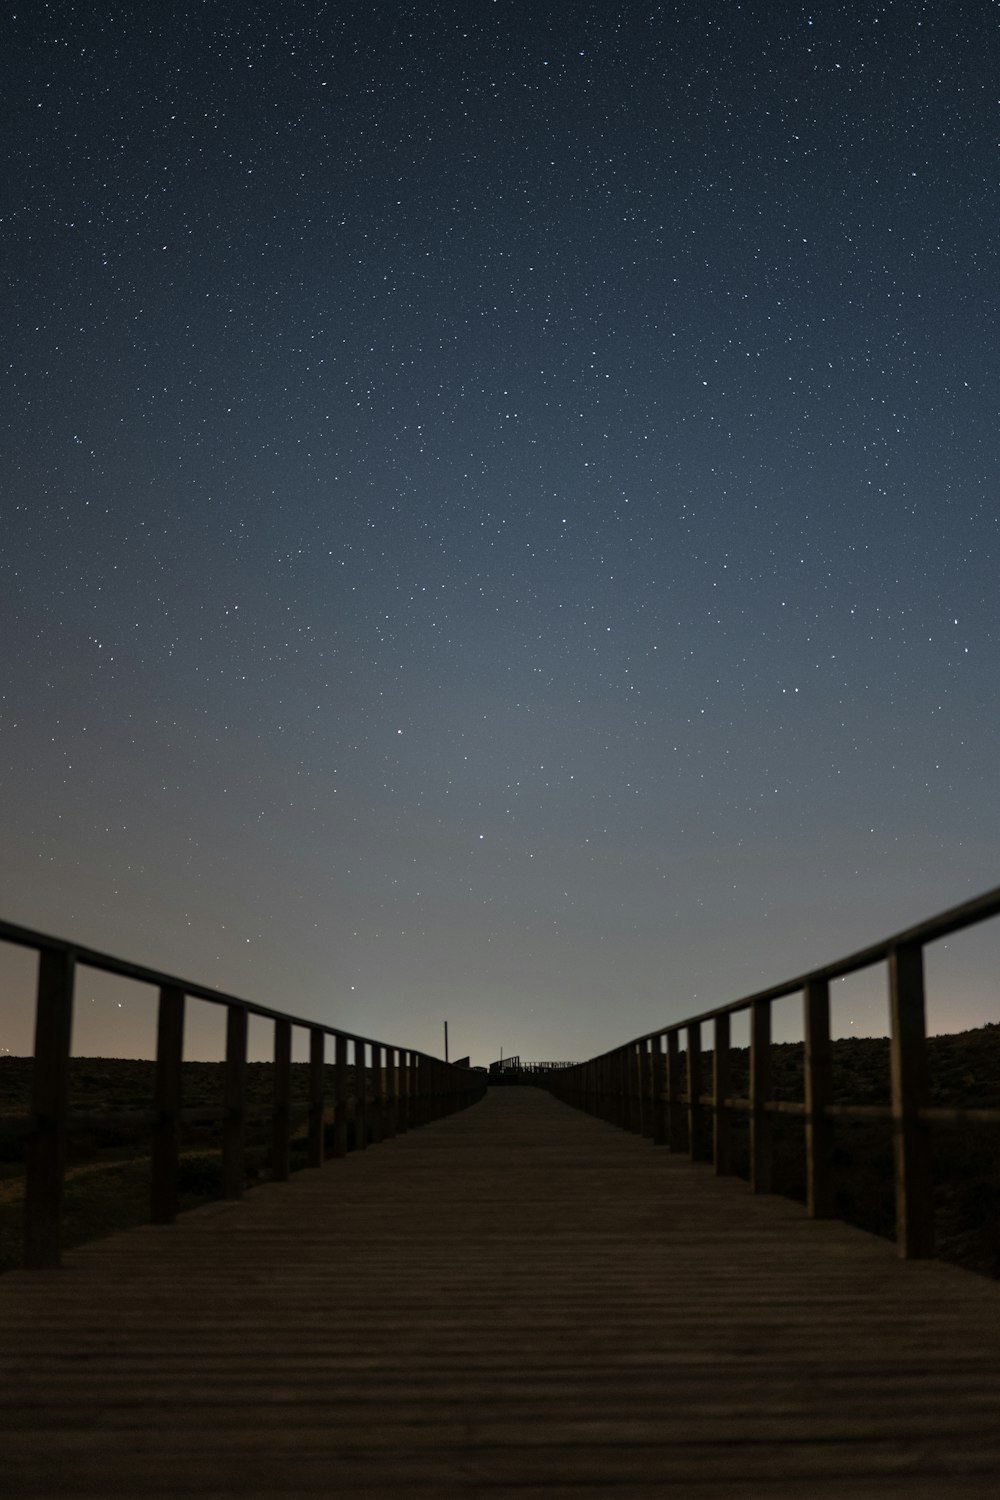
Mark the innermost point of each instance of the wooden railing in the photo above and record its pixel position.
(395, 1089)
(640, 1086)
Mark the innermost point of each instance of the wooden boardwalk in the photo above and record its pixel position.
(517, 1300)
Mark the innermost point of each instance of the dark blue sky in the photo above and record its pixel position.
(500, 512)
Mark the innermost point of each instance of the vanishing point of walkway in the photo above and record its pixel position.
(517, 1300)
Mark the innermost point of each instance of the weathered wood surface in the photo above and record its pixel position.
(518, 1300)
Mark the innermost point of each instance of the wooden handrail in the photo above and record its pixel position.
(629, 1084)
(399, 1089)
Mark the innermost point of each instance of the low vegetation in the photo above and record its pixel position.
(107, 1184)
(108, 1171)
(964, 1073)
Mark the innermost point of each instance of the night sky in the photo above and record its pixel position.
(500, 509)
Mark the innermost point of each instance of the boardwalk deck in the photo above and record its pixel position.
(517, 1300)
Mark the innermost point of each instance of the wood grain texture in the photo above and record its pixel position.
(517, 1300)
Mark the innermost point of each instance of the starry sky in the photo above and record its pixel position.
(500, 513)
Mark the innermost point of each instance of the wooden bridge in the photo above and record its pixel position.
(518, 1298)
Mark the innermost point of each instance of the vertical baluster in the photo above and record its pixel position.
(417, 1084)
(637, 1075)
(818, 1095)
(234, 1103)
(47, 1142)
(911, 1134)
(697, 1145)
(659, 1070)
(648, 1094)
(403, 1108)
(340, 1096)
(637, 1080)
(761, 1119)
(281, 1103)
(721, 1123)
(377, 1106)
(675, 1101)
(317, 1062)
(391, 1093)
(360, 1097)
(167, 1105)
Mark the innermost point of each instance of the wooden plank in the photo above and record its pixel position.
(564, 1318)
(47, 1140)
(167, 1105)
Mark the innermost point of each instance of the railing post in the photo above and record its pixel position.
(637, 1079)
(340, 1096)
(317, 1062)
(403, 1107)
(377, 1103)
(234, 1103)
(818, 1095)
(675, 1102)
(696, 1112)
(911, 1134)
(418, 1085)
(360, 1097)
(167, 1105)
(659, 1061)
(391, 1092)
(47, 1143)
(281, 1104)
(648, 1089)
(761, 1119)
(721, 1127)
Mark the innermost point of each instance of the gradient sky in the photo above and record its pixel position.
(499, 507)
